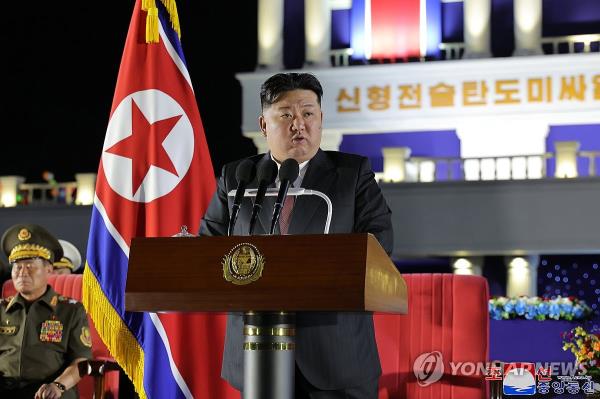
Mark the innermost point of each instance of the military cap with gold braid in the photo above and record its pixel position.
(71, 258)
(23, 241)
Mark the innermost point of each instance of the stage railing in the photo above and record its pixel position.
(513, 167)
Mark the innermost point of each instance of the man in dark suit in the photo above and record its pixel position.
(336, 353)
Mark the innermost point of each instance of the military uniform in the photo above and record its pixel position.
(36, 344)
(39, 338)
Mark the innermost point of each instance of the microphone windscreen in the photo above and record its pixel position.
(289, 170)
(267, 171)
(245, 171)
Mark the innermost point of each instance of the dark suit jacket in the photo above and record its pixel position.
(333, 350)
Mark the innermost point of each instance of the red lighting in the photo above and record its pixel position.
(395, 28)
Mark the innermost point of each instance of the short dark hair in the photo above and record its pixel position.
(272, 89)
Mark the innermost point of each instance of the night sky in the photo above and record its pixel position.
(60, 66)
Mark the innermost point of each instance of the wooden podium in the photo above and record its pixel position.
(263, 275)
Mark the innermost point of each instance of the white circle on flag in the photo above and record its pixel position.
(155, 105)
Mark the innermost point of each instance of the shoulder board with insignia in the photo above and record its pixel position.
(6, 301)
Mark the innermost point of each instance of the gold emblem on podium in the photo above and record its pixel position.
(243, 265)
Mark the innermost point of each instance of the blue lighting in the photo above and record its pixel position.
(433, 14)
(357, 29)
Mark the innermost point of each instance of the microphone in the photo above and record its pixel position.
(288, 173)
(266, 174)
(244, 174)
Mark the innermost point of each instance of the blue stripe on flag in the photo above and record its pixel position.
(105, 257)
(163, 16)
(109, 264)
(158, 377)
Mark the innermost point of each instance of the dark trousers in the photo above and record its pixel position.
(21, 392)
(305, 390)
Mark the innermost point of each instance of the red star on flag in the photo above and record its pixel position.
(144, 145)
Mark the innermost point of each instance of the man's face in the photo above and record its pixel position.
(30, 276)
(292, 126)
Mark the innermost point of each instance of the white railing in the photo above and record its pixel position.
(514, 167)
(591, 156)
(455, 50)
(46, 193)
(341, 57)
(14, 191)
(452, 50)
(571, 41)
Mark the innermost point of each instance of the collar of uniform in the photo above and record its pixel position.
(50, 298)
(301, 170)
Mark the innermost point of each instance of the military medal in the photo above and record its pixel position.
(52, 331)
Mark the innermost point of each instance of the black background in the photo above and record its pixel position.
(60, 66)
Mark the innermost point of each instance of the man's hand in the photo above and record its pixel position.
(48, 391)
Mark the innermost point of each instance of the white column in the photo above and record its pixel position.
(9, 188)
(566, 158)
(477, 22)
(528, 27)
(86, 187)
(317, 32)
(331, 140)
(394, 163)
(522, 275)
(270, 34)
(472, 265)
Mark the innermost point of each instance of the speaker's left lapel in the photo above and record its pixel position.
(319, 176)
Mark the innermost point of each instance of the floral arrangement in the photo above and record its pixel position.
(586, 348)
(537, 308)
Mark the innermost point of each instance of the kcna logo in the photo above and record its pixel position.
(149, 146)
(519, 379)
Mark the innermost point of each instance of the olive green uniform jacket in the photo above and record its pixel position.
(37, 344)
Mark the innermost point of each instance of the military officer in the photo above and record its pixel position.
(43, 336)
(70, 261)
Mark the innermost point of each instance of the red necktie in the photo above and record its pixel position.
(286, 214)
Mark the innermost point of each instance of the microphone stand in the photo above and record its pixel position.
(272, 192)
(269, 337)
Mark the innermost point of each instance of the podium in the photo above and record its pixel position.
(269, 278)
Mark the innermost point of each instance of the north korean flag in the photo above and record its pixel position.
(155, 176)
